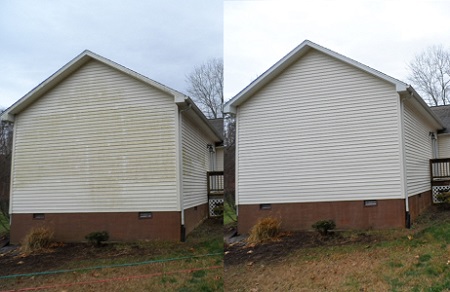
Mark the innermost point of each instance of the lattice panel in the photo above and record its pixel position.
(437, 190)
(213, 203)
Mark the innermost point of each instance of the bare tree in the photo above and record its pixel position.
(430, 72)
(206, 87)
(6, 134)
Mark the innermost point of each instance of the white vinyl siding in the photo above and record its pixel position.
(219, 159)
(100, 141)
(195, 163)
(444, 146)
(320, 131)
(418, 150)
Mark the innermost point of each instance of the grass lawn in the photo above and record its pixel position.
(4, 225)
(195, 265)
(394, 260)
(229, 216)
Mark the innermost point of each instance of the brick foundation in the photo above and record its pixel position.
(194, 216)
(121, 226)
(419, 203)
(347, 215)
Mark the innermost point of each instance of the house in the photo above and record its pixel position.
(321, 136)
(99, 147)
(219, 147)
(443, 112)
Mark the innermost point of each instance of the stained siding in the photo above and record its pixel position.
(195, 163)
(320, 131)
(100, 141)
(444, 146)
(418, 150)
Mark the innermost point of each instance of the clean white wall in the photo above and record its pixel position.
(219, 158)
(321, 131)
(444, 146)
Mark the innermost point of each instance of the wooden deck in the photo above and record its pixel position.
(439, 176)
(215, 192)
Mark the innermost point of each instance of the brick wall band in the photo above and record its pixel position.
(419, 203)
(125, 226)
(347, 215)
(194, 217)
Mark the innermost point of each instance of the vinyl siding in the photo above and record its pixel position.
(320, 131)
(219, 159)
(195, 163)
(100, 141)
(444, 146)
(418, 150)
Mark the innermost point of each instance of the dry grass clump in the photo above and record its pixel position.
(37, 239)
(265, 229)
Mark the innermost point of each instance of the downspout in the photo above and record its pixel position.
(12, 177)
(405, 177)
(180, 141)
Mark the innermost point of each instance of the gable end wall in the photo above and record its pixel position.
(99, 141)
(321, 131)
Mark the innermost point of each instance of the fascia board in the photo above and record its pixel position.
(424, 106)
(46, 85)
(68, 69)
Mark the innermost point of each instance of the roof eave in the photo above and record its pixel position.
(188, 102)
(68, 69)
(410, 90)
(43, 87)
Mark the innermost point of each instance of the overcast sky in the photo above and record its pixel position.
(384, 35)
(165, 39)
(161, 39)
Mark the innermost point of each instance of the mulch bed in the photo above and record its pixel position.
(13, 261)
(60, 255)
(240, 252)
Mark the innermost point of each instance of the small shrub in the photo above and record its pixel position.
(96, 238)
(265, 229)
(38, 238)
(218, 209)
(444, 200)
(324, 226)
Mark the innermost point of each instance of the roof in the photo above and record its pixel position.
(298, 52)
(443, 112)
(217, 124)
(75, 64)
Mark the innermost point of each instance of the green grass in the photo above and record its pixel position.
(395, 260)
(229, 216)
(4, 225)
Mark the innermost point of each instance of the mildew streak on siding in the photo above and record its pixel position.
(100, 141)
(195, 163)
(418, 150)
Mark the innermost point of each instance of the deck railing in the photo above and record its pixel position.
(440, 177)
(215, 193)
(215, 183)
(440, 169)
